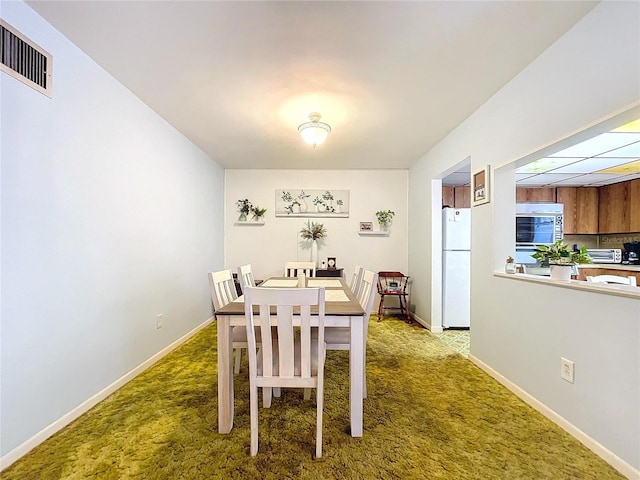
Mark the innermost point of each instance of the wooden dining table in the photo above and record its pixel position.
(342, 309)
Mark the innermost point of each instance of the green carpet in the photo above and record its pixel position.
(430, 414)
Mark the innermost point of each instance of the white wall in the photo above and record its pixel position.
(109, 217)
(519, 329)
(268, 247)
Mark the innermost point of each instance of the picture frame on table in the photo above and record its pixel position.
(481, 187)
(366, 226)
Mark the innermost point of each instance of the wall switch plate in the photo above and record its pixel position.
(159, 321)
(566, 369)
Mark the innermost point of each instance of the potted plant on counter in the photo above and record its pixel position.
(561, 259)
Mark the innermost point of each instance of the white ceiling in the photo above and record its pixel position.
(237, 78)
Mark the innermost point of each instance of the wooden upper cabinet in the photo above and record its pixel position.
(456, 197)
(619, 209)
(448, 196)
(525, 195)
(462, 197)
(634, 206)
(580, 209)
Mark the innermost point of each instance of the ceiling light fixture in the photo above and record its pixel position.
(314, 132)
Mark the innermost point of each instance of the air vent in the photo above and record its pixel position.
(23, 59)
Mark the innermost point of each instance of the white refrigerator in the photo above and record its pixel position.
(456, 267)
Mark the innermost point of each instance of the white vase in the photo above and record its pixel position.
(314, 252)
(296, 208)
(304, 207)
(561, 272)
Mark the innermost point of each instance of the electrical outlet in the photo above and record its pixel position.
(159, 321)
(566, 369)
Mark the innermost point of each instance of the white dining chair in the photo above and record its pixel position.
(358, 271)
(630, 280)
(339, 338)
(223, 291)
(245, 276)
(291, 359)
(292, 269)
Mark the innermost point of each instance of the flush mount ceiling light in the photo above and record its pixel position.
(314, 132)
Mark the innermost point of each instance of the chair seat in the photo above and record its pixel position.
(337, 336)
(239, 334)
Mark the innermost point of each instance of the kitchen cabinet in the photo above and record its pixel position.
(544, 194)
(619, 207)
(456, 197)
(462, 197)
(448, 196)
(580, 209)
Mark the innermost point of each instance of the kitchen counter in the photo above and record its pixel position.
(602, 288)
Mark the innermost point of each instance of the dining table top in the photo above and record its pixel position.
(339, 299)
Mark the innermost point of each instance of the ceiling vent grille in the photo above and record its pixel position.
(25, 60)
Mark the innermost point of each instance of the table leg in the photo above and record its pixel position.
(356, 375)
(225, 375)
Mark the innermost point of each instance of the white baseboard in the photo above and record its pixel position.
(427, 325)
(607, 455)
(66, 419)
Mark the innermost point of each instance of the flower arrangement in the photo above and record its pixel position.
(244, 207)
(559, 254)
(339, 202)
(384, 217)
(258, 212)
(313, 231)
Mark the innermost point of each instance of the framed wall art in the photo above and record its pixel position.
(480, 187)
(366, 226)
(312, 203)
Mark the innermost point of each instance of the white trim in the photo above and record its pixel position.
(607, 455)
(427, 325)
(85, 406)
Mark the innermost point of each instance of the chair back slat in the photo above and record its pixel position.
(356, 280)
(223, 289)
(245, 276)
(367, 292)
(630, 280)
(292, 269)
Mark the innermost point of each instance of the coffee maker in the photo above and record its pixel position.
(631, 253)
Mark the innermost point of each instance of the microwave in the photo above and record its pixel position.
(605, 255)
(539, 228)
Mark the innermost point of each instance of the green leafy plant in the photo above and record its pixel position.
(258, 212)
(560, 254)
(244, 206)
(313, 231)
(385, 217)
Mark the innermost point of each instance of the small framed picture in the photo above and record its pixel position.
(331, 263)
(480, 187)
(366, 226)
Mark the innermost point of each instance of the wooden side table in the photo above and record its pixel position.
(335, 272)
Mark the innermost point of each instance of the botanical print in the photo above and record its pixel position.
(312, 203)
